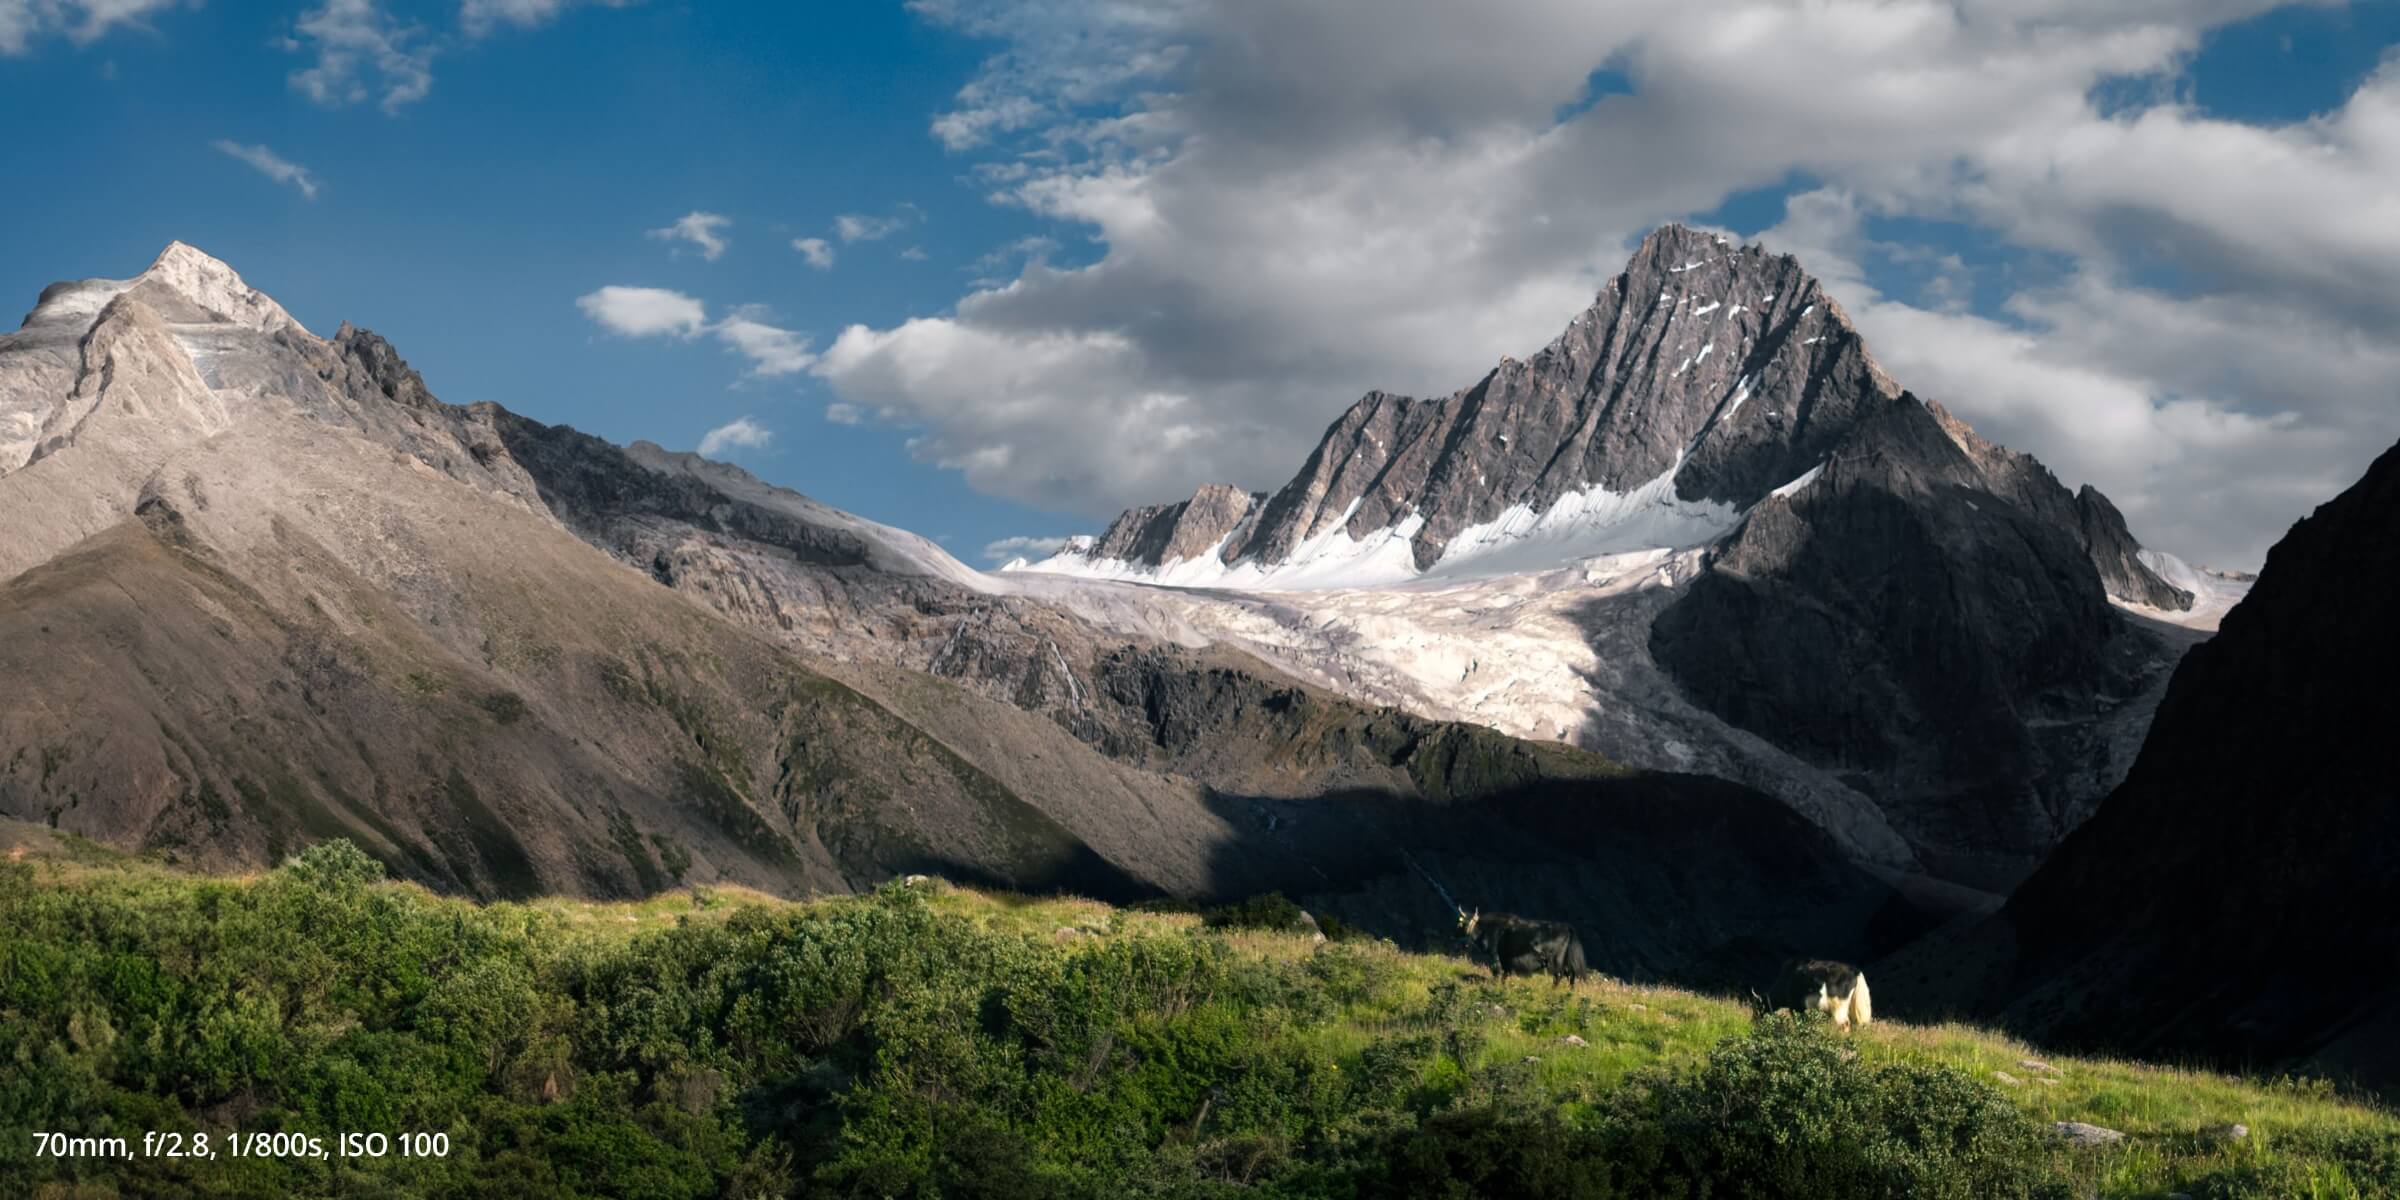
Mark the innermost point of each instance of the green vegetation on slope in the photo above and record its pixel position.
(927, 1041)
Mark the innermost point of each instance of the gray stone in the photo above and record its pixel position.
(2082, 1134)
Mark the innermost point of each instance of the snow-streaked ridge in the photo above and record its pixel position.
(1581, 525)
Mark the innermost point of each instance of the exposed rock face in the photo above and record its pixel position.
(1170, 533)
(2098, 526)
(2230, 899)
(2118, 557)
(56, 369)
(1902, 621)
(1728, 369)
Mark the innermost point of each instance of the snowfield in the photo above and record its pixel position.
(1559, 653)
(1590, 524)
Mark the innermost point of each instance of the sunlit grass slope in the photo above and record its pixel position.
(933, 1041)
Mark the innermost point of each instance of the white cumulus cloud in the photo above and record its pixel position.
(361, 51)
(645, 311)
(817, 251)
(741, 432)
(640, 312)
(704, 230)
(480, 17)
(1296, 203)
(82, 21)
(772, 350)
(859, 227)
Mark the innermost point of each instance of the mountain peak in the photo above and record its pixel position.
(215, 288)
(1677, 235)
(1704, 377)
(183, 254)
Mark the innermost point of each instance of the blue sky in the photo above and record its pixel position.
(1103, 252)
(464, 226)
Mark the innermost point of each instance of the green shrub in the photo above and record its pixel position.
(1336, 929)
(337, 864)
(1788, 1110)
(1491, 1151)
(1271, 911)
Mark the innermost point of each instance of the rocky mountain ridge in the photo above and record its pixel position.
(264, 588)
(1883, 593)
(1702, 378)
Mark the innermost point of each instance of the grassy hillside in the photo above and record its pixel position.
(930, 1041)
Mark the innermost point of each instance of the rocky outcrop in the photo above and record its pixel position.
(1171, 533)
(600, 491)
(2118, 558)
(2098, 527)
(53, 379)
(2217, 904)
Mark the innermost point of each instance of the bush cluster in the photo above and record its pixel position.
(1270, 911)
(877, 1046)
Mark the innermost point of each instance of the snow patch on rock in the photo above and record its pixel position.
(1591, 523)
(2214, 592)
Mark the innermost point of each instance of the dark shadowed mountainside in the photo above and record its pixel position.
(2234, 898)
(1904, 620)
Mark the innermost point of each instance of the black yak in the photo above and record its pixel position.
(1838, 990)
(1518, 946)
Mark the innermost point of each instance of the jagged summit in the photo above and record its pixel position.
(1703, 378)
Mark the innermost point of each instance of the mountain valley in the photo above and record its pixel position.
(270, 590)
